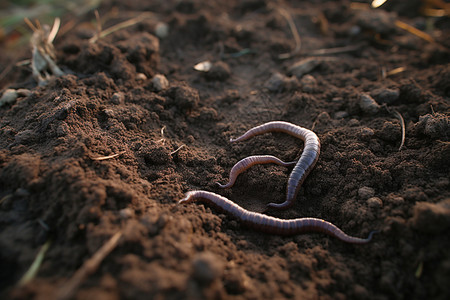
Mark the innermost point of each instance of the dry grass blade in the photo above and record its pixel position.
(107, 157)
(337, 50)
(402, 124)
(395, 71)
(414, 31)
(298, 42)
(34, 268)
(178, 149)
(90, 266)
(120, 26)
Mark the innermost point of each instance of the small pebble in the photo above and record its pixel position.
(9, 96)
(275, 82)
(160, 82)
(118, 98)
(206, 267)
(126, 213)
(387, 96)
(374, 202)
(162, 30)
(368, 104)
(308, 83)
(141, 77)
(366, 192)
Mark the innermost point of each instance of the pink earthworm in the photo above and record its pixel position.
(250, 161)
(307, 160)
(269, 224)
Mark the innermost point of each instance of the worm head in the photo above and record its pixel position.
(187, 199)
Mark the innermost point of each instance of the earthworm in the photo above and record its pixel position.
(247, 162)
(307, 160)
(269, 224)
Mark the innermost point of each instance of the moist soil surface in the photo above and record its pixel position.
(159, 142)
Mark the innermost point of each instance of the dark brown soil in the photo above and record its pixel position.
(52, 189)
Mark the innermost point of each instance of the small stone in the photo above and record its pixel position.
(341, 114)
(387, 96)
(308, 83)
(9, 96)
(160, 82)
(118, 98)
(368, 104)
(141, 77)
(430, 217)
(126, 213)
(206, 267)
(275, 82)
(366, 192)
(162, 30)
(374, 202)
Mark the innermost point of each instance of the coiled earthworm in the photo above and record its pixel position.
(247, 162)
(307, 160)
(270, 224)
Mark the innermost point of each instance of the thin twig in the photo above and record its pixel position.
(298, 42)
(163, 139)
(89, 267)
(34, 268)
(178, 149)
(108, 157)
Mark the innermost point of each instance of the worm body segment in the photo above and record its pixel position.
(250, 161)
(270, 224)
(304, 165)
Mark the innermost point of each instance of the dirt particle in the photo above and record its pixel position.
(374, 202)
(387, 96)
(206, 267)
(431, 218)
(435, 126)
(219, 71)
(366, 133)
(118, 98)
(366, 192)
(390, 132)
(236, 282)
(308, 83)
(368, 104)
